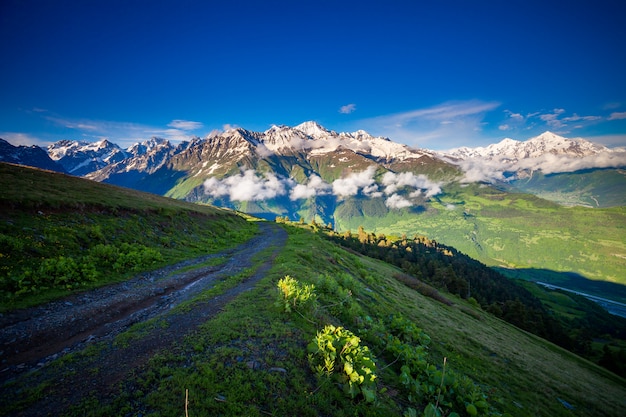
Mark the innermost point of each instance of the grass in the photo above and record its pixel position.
(516, 231)
(64, 217)
(251, 358)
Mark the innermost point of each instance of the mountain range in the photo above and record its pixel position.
(307, 159)
(474, 199)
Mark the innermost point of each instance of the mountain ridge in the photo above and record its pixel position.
(311, 139)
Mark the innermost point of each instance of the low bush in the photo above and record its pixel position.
(292, 295)
(336, 353)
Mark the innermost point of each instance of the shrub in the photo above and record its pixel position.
(293, 295)
(335, 353)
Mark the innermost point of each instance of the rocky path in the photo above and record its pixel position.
(31, 340)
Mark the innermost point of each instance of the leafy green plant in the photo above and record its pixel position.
(295, 296)
(336, 353)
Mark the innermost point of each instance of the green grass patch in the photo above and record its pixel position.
(60, 234)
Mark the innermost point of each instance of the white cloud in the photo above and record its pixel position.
(481, 170)
(396, 201)
(393, 182)
(251, 186)
(185, 125)
(355, 182)
(504, 127)
(552, 119)
(577, 118)
(617, 115)
(315, 186)
(550, 164)
(514, 116)
(248, 186)
(613, 105)
(347, 109)
(125, 134)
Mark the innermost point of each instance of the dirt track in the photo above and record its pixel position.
(33, 338)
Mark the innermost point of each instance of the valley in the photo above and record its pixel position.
(548, 203)
(232, 347)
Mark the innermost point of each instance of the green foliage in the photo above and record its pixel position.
(134, 257)
(292, 295)
(59, 233)
(449, 270)
(444, 391)
(336, 353)
(64, 272)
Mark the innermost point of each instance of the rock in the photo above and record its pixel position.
(281, 370)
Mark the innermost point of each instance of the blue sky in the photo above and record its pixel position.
(431, 74)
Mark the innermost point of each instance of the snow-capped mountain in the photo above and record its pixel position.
(549, 153)
(316, 140)
(307, 155)
(514, 150)
(309, 160)
(82, 157)
(27, 155)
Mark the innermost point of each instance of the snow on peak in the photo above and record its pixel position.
(313, 129)
(547, 152)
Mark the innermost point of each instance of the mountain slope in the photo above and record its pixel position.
(81, 158)
(353, 179)
(548, 153)
(252, 357)
(27, 155)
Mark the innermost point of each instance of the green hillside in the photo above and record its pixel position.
(592, 188)
(271, 350)
(60, 233)
(513, 230)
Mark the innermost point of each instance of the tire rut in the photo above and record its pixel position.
(33, 338)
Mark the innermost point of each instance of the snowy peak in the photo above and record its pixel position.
(81, 157)
(548, 153)
(546, 143)
(555, 144)
(314, 130)
(149, 145)
(317, 140)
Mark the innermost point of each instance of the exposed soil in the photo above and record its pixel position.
(32, 339)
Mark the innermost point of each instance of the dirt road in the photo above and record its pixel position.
(31, 340)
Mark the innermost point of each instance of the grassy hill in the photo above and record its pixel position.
(60, 233)
(432, 354)
(592, 188)
(517, 231)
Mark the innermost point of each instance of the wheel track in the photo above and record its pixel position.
(72, 324)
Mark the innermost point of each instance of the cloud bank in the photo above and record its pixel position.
(248, 186)
(398, 190)
(482, 170)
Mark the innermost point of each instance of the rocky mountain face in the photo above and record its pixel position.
(81, 158)
(27, 155)
(308, 167)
